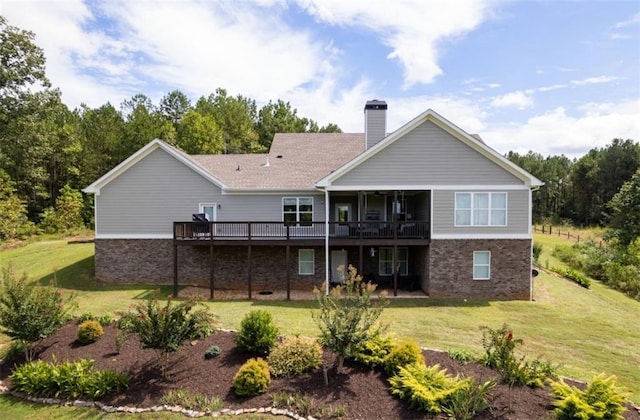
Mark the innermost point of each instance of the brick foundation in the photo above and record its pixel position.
(451, 269)
(150, 261)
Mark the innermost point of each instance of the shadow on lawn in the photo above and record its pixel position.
(79, 276)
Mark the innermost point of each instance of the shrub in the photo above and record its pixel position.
(537, 251)
(462, 356)
(469, 401)
(86, 316)
(295, 355)
(257, 332)
(499, 346)
(602, 399)
(190, 401)
(577, 277)
(429, 389)
(89, 332)
(373, 351)
(165, 329)
(348, 315)
(402, 354)
(69, 380)
(252, 379)
(213, 351)
(105, 320)
(29, 312)
(306, 406)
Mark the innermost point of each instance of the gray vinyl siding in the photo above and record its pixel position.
(427, 155)
(375, 121)
(517, 214)
(158, 190)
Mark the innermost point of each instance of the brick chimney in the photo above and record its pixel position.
(375, 122)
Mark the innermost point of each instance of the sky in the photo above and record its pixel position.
(554, 77)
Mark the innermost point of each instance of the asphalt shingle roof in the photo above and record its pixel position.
(296, 160)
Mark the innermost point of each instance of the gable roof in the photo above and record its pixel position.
(141, 154)
(295, 161)
(473, 141)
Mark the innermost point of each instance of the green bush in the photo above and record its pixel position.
(537, 251)
(29, 312)
(295, 355)
(349, 314)
(89, 332)
(213, 351)
(166, 328)
(105, 320)
(577, 278)
(469, 401)
(429, 389)
(402, 354)
(252, 379)
(373, 351)
(85, 316)
(67, 380)
(602, 399)
(462, 356)
(499, 346)
(257, 333)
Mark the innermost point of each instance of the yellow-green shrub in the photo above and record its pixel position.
(295, 355)
(602, 399)
(89, 332)
(402, 354)
(373, 351)
(253, 378)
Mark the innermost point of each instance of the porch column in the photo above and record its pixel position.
(361, 261)
(326, 241)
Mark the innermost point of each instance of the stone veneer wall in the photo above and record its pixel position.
(451, 269)
(150, 261)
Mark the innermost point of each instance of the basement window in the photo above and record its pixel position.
(306, 262)
(481, 265)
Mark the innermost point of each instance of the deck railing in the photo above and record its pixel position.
(306, 230)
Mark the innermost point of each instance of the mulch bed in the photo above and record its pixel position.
(362, 392)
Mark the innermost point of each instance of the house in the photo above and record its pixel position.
(427, 206)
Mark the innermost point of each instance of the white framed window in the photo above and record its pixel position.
(481, 265)
(481, 209)
(306, 261)
(385, 261)
(297, 211)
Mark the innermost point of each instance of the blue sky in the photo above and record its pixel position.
(555, 77)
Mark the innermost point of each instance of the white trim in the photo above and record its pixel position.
(377, 187)
(133, 236)
(326, 243)
(201, 207)
(446, 125)
(313, 262)
(481, 265)
(480, 236)
(270, 191)
(141, 154)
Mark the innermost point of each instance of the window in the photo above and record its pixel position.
(306, 261)
(481, 209)
(209, 210)
(297, 210)
(481, 265)
(385, 262)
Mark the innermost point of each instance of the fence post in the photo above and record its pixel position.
(549, 229)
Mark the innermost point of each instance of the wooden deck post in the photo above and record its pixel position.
(361, 260)
(175, 268)
(288, 269)
(211, 267)
(249, 269)
(395, 269)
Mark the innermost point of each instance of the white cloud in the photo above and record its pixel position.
(633, 22)
(411, 28)
(556, 132)
(594, 80)
(517, 99)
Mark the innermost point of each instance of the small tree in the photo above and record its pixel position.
(165, 329)
(13, 212)
(67, 215)
(348, 315)
(29, 312)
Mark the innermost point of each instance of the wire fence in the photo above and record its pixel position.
(557, 230)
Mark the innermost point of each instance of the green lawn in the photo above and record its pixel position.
(585, 331)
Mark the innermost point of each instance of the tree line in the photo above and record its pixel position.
(49, 152)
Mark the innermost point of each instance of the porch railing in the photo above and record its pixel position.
(307, 230)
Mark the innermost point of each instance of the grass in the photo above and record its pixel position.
(585, 331)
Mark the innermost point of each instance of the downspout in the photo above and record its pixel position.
(326, 240)
(531, 236)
